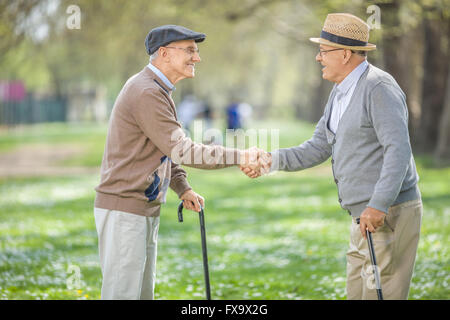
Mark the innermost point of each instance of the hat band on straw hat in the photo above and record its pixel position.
(341, 40)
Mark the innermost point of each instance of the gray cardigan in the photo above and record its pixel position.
(371, 153)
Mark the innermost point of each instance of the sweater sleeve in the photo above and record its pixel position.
(178, 180)
(310, 153)
(155, 117)
(389, 116)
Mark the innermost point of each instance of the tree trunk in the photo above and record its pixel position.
(403, 59)
(436, 67)
(411, 79)
(442, 154)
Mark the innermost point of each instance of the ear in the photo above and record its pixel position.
(162, 52)
(347, 56)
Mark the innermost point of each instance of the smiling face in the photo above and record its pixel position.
(334, 68)
(182, 57)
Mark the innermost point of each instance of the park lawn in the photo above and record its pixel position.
(89, 138)
(283, 236)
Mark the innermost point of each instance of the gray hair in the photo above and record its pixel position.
(361, 53)
(154, 56)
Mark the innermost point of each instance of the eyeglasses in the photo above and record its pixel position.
(324, 51)
(191, 51)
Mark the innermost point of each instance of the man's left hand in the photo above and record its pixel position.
(192, 201)
(371, 219)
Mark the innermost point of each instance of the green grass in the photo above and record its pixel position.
(283, 236)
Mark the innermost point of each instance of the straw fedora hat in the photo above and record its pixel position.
(344, 30)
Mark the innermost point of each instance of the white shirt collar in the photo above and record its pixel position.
(161, 76)
(352, 77)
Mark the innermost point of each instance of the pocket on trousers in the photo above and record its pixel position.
(383, 243)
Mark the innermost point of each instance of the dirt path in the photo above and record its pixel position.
(41, 160)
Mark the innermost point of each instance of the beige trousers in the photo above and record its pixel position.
(127, 246)
(395, 245)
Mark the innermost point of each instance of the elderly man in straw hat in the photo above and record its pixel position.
(364, 129)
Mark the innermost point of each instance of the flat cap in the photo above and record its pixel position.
(164, 35)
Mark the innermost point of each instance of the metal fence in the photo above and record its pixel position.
(31, 110)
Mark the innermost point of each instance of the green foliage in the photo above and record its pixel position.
(255, 51)
(24, 63)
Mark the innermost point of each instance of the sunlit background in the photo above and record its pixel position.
(63, 63)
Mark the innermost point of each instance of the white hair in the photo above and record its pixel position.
(154, 56)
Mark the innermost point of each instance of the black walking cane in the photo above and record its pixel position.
(204, 249)
(374, 263)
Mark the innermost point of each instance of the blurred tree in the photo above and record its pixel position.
(402, 47)
(415, 45)
(442, 154)
(258, 49)
(436, 69)
(12, 27)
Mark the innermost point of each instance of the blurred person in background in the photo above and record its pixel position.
(233, 116)
(245, 111)
(188, 110)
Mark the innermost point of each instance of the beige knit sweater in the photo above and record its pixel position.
(144, 147)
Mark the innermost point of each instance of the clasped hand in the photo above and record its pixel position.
(255, 162)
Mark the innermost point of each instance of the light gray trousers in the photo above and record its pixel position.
(127, 246)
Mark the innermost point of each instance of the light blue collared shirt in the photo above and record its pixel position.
(344, 92)
(161, 76)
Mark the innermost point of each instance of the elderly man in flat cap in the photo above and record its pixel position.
(364, 129)
(144, 149)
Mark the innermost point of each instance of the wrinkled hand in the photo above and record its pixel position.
(371, 219)
(192, 201)
(255, 162)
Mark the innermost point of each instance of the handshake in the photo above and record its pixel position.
(255, 162)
